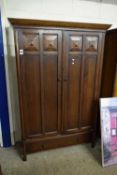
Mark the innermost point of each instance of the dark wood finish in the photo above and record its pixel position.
(51, 55)
(59, 75)
(115, 84)
(109, 64)
(45, 23)
(58, 141)
(72, 61)
(29, 73)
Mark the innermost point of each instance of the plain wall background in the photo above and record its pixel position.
(62, 10)
(66, 10)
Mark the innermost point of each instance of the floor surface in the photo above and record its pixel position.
(74, 160)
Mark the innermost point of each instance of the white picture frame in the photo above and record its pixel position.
(108, 121)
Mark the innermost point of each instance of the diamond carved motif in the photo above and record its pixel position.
(91, 44)
(75, 43)
(50, 42)
(31, 42)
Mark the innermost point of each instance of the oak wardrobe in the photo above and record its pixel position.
(59, 67)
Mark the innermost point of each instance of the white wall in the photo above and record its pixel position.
(62, 10)
(10, 71)
(66, 10)
(4, 25)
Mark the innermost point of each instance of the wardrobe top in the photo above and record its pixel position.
(45, 23)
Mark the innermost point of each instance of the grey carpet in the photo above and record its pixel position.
(74, 160)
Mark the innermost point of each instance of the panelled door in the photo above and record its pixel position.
(81, 60)
(91, 76)
(72, 69)
(59, 75)
(39, 74)
(51, 44)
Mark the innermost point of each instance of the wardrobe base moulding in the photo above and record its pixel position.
(41, 144)
(57, 141)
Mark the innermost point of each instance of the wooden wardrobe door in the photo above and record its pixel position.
(72, 66)
(82, 63)
(29, 77)
(51, 45)
(91, 77)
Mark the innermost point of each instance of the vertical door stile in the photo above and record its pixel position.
(82, 78)
(99, 65)
(42, 83)
(65, 74)
(98, 79)
(59, 81)
(18, 43)
(62, 93)
(62, 83)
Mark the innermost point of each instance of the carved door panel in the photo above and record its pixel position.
(90, 79)
(72, 67)
(81, 77)
(39, 74)
(29, 77)
(51, 45)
